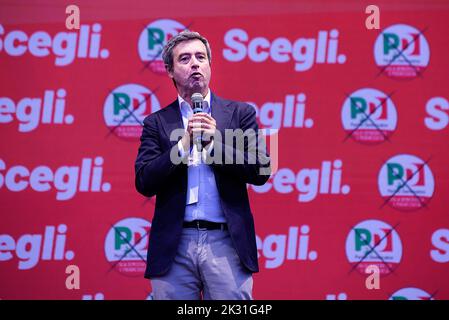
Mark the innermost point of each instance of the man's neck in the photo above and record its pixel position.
(187, 96)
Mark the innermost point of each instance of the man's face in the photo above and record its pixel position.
(191, 68)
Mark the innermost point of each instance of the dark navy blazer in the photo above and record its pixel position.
(157, 175)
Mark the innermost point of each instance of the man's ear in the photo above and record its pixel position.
(170, 73)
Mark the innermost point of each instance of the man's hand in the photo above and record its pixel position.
(200, 124)
(204, 124)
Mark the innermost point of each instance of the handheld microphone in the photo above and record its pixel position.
(197, 106)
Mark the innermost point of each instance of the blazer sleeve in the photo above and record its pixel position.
(255, 168)
(153, 166)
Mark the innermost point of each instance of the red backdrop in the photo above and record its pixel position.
(361, 118)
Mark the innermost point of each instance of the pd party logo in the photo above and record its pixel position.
(374, 242)
(126, 107)
(153, 39)
(406, 182)
(401, 51)
(369, 116)
(126, 246)
(411, 294)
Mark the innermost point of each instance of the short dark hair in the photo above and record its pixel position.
(186, 35)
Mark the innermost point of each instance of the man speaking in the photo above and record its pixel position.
(202, 242)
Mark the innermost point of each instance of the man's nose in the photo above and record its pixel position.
(195, 63)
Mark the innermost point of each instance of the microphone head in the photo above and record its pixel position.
(197, 97)
(197, 102)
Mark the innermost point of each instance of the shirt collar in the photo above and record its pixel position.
(185, 107)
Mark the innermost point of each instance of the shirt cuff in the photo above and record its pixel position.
(210, 147)
(181, 151)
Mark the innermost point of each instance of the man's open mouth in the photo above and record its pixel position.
(196, 75)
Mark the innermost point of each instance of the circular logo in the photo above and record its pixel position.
(369, 116)
(152, 40)
(126, 246)
(126, 107)
(411, 294)
(401, 51)
(406, 182)
(373, 242)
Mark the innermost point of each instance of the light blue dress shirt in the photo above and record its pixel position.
(203, 199)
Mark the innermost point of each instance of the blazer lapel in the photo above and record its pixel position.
(172, 119)
(221, 112)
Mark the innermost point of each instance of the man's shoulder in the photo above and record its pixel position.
(238, 105)
(160, 113)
